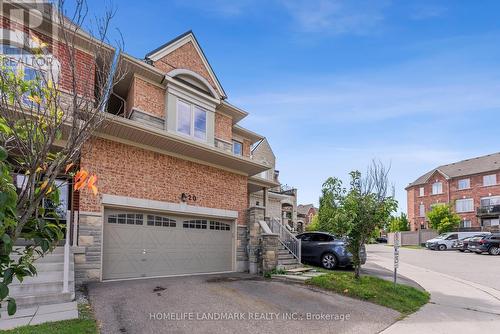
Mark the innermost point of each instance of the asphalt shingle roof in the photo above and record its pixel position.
(483, 164)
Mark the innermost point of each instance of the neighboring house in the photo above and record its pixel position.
(176, 174)
(305, 214)
(279, 201)
(471, 186)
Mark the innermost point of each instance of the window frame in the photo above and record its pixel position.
(234, 141)
(464, 200)
(421, 192)
(420, 210)
(193, 108)
(490, 184)
(441, 186)
(463, 188)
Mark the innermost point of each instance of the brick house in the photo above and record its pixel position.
(470, 185)
(176, 170)
(305, 213)
(281, 201)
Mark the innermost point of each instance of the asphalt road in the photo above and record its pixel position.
(482, 269)
(144, 306)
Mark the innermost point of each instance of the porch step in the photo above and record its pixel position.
(27, 301)
(46, 287)
(49, 258)
(52, 266)
(38, 288)
(300, 270)
(285, 256)
(288, 261)
(293, 278)
(289, 266)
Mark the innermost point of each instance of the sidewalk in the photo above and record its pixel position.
(456, 306)
(39, 314)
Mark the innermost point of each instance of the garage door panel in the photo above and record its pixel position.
(160, 245)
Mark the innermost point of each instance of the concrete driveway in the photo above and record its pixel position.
(250, 305)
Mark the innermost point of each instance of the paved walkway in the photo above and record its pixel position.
(457, 305)
(39, 314)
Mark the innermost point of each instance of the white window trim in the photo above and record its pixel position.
(490, 185)
(420, 210)
(232, 143)
(458, 184)
(191, 130)
(421, 192)
(437, 193)
(461, 200)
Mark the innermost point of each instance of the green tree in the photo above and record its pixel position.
(443, 219)
(356, 213)
(330, 218)
(399, 224)
(42, 130)
(314, 224)
(367, 206)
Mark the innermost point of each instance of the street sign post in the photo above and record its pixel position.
(397, 244)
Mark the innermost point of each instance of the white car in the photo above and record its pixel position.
(445, 241)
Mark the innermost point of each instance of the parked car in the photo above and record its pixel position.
(381, 240)
(444, 241)
(488, 243)
(327, 250)
(462, 244)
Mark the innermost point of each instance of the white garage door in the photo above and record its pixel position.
(148, 244)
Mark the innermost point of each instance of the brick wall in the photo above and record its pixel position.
(184, 57)
(129, 171)
(84, 61)
(246, 147)
(223, 127)
(146, 97)
(451, 193)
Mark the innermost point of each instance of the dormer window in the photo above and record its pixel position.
(191, 120)
(437, 188)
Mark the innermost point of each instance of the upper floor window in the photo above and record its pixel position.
(237, 147)
(437, 188)
(490, 180)
(463, 184)
(464, 205)
(421, 192)
(421, 210)
(191, 120)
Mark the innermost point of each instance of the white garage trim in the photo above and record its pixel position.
(186, 209)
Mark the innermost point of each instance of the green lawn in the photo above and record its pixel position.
(84, 325)
(402, 298)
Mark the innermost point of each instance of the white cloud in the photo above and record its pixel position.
(336, 17)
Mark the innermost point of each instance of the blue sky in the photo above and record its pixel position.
(335, 84)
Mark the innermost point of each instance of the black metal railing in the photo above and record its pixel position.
(489, 210)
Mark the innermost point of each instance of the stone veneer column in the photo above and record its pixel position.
(88, 252)
(254, 215)
(269, 251)
(242, 248)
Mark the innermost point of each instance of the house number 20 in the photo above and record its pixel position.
(188, 197)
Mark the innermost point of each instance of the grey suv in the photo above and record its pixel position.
(326, 249)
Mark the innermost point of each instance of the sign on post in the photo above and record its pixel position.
(397, 244)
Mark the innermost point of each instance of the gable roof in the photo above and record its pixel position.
(482, 164)
(304, 208)
(179, 41)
